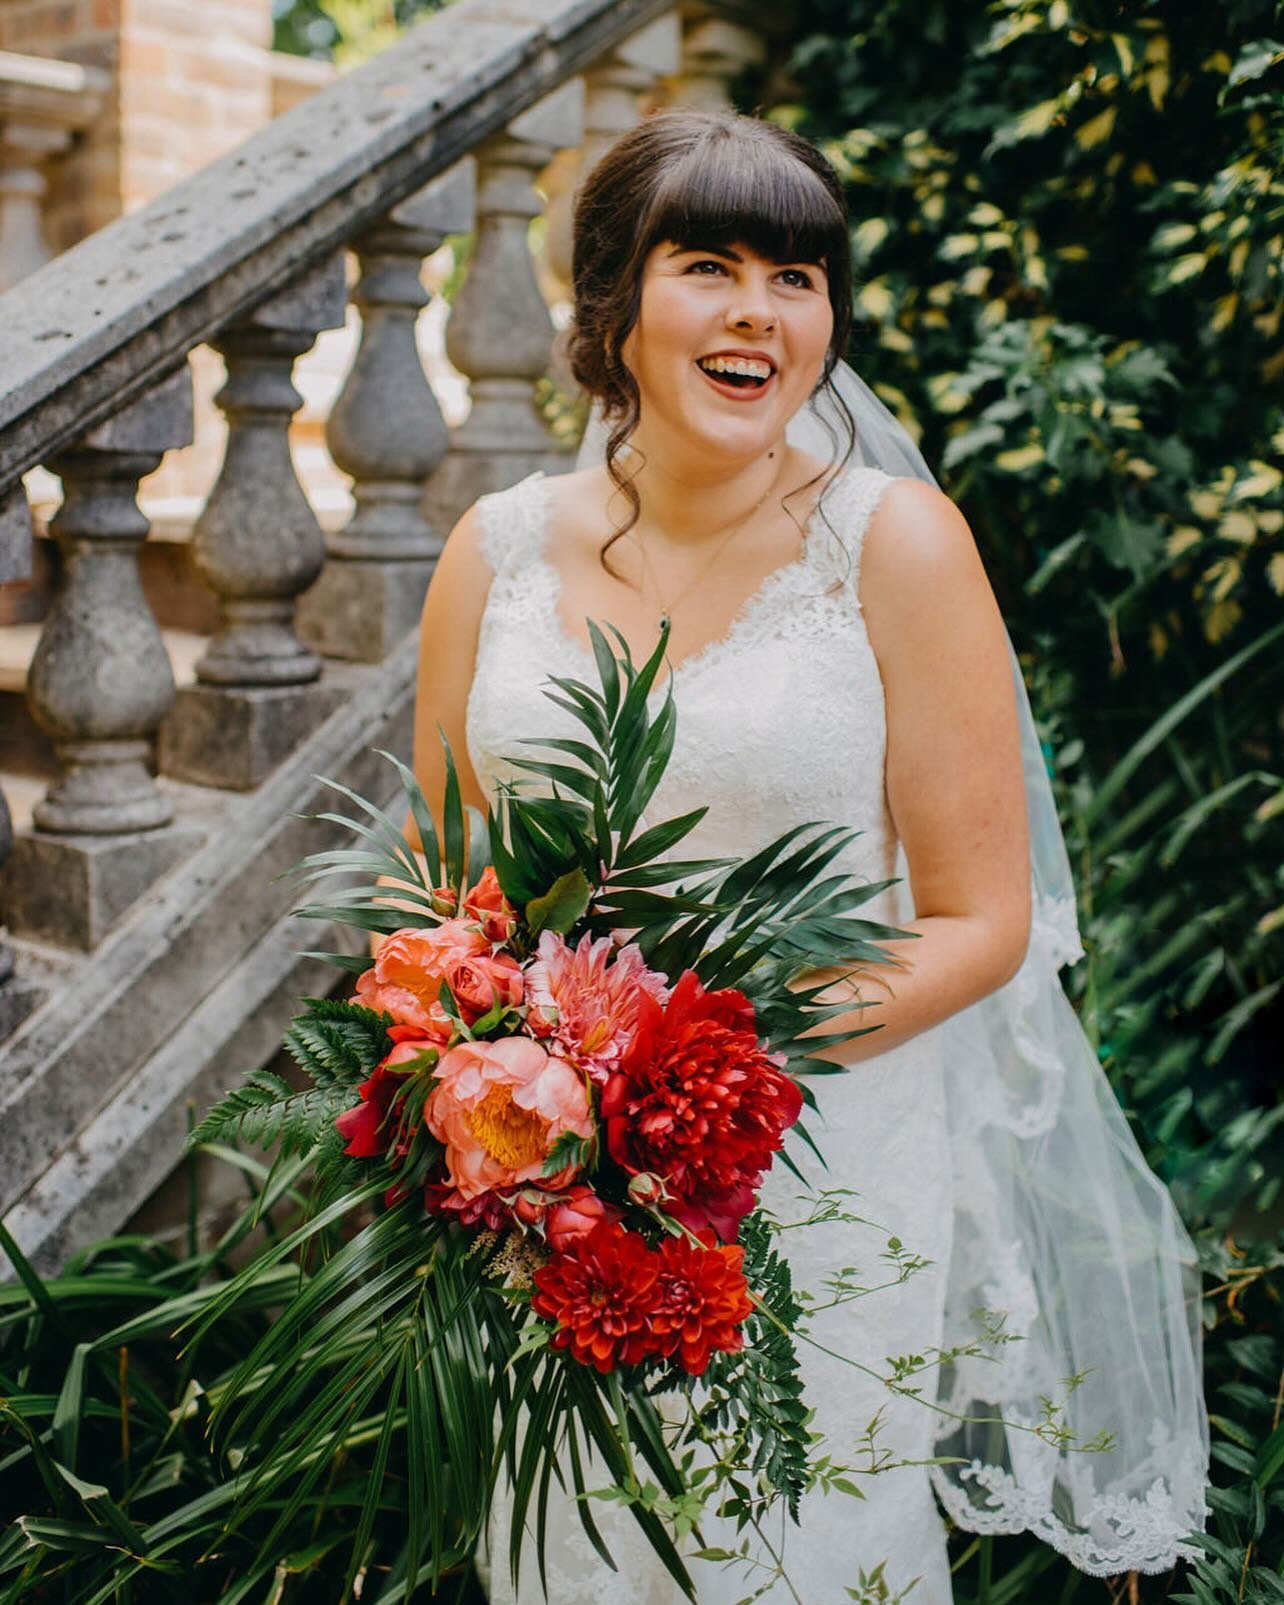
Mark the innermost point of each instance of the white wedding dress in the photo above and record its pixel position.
(780, 722)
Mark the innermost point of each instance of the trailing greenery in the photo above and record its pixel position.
(1069, 222)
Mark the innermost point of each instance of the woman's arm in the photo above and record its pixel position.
(448, 631)
(955, 786)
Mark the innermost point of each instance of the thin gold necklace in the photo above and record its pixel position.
(666, 616)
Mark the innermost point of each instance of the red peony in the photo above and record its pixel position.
(600, 1294)
(366, 1125)
(698, 1103)
(702, 1300)
(489, 1210)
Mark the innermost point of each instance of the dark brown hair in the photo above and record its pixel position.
(703, 179)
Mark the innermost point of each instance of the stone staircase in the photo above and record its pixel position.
(174, 679)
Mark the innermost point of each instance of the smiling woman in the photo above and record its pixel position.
(836, 654)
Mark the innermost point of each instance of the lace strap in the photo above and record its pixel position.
(842, 519)
(511, 523)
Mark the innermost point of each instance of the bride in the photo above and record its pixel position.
(984, 1229)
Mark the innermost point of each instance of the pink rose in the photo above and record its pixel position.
(477, 982)
(575, 1216)
(405, 978)
(499, 1107)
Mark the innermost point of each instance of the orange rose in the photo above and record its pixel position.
(479, 982)
(405, 979)
(487, 904)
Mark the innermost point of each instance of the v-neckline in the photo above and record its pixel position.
(711, 650)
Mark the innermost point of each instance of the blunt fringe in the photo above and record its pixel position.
(703, 179)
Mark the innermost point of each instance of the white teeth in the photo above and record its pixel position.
(747, 367)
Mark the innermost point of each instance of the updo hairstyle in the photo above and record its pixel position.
(703, 179)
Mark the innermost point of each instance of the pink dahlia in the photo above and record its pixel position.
(586, 998)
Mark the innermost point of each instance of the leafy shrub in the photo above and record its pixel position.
(1069, 222)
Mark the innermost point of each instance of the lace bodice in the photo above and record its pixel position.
(762, 712)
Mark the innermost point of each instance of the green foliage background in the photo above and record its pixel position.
(1068, 217)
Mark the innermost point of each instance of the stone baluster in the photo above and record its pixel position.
(18, 995)
(714, 54)
(43, 103)
(613, 89)
(100, 683)
(386, 430)
(500, 334)
(258, 546)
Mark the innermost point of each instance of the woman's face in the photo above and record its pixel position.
(726, 348)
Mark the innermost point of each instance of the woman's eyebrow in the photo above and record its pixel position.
(707, 250)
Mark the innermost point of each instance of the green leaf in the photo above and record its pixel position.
(563, 903)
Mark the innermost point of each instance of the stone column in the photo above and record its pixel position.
(386, 430)
(42, 104)
(257, 545)
(613, 89)
(500, 334)
(18, 996)
(714, 53)
(100, 684)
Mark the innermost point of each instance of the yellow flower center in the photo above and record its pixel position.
(596, 1035)
(512, 1137)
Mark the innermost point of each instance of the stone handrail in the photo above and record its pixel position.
(152, 946)
(103, 322)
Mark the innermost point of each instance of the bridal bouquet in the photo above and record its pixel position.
(542, 1119)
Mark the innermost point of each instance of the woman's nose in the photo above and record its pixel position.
(750, 306)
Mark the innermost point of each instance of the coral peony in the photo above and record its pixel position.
(487, 905)
(405, 979)
(576, 1215)
(699, 1103)
(499, 1107)
(586, 998)
(364, 1124)
(701, 1302)
(599, 1293)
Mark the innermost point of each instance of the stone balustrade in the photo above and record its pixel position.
(451, 133)
(43, 104)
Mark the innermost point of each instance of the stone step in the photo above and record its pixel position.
(191, 989)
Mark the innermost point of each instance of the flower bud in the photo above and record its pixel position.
(646, 1189)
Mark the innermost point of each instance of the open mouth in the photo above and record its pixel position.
(743, 374)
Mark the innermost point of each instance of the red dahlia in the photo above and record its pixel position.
(699, 1103)
(701, 1301)
(599, 1293)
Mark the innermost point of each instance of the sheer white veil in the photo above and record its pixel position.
(1069, 1260)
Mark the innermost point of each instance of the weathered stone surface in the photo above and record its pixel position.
(15, 535)
(100, 680)
(234, 737)
(386, 428)
(71, 890)
(136, 1140)
(360, 611)
(149, 977)
(257, 543)
(464, 476)
(17, 996)
(98, 324)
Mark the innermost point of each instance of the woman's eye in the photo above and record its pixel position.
(706, 262)
(798, 278)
